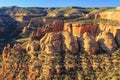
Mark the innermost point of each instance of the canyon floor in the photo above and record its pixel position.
(64, 43)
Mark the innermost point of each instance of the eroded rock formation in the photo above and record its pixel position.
(51, 43)
(64, 52)
(117, 36)
(69, 42)
(88, 44)
(59, 42)
(107, 42)
(79, 29)
(112, 15)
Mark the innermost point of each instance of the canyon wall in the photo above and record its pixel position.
(66, 51)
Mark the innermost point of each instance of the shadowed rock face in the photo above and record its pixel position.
(51, 43)
(43, 27)
(7, 25)
(59, 42)
(107, 42)
(117, 36)
(88, 44)
(69, 42)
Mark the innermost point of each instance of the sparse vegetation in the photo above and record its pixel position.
(29, 62)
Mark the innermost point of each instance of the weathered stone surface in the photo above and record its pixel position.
(39, 31)
(32, 47)
(79, 29)
(117, 36)
(59, 42)
(6, 52)
(18, 47)
(107, 42)
(88, 44)
(112, 15)
(51, 42)
(69, 42)
(58, 25)
(107, 28)
(68, 27)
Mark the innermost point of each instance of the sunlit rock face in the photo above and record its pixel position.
(78, 29)
(51, 43)
(59, 42)
(108, 28)
(112, 15)
(62, 51)
(107, 42)
(88, 44)
(69, 42)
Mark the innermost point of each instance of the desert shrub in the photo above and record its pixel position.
(109, 75)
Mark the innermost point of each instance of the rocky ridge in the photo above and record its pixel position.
(66, 51)
(62, 55)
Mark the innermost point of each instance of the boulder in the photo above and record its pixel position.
(107, 42)
(88, 44)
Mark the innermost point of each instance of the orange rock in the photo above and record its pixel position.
(79, 29)
(48, 28)
(117, 36)
(32, 47)
(97, 16)
(68, 27)
(88, 44)
(51, 42)
(39, 31)
(112, 15)
(6, 52)
(107, 42)
(69, 42)
(58, 25)
(17, 47)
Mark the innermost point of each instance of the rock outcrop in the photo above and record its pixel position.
(107, 28)
(117, 36)
(107, 42)
(112, 15)
(88, 44)
(18, 47)
(58, 25)
(43, 27)
(79, 29)
(32, 47)
(69, 42)
(59, 42)
(51, 43)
